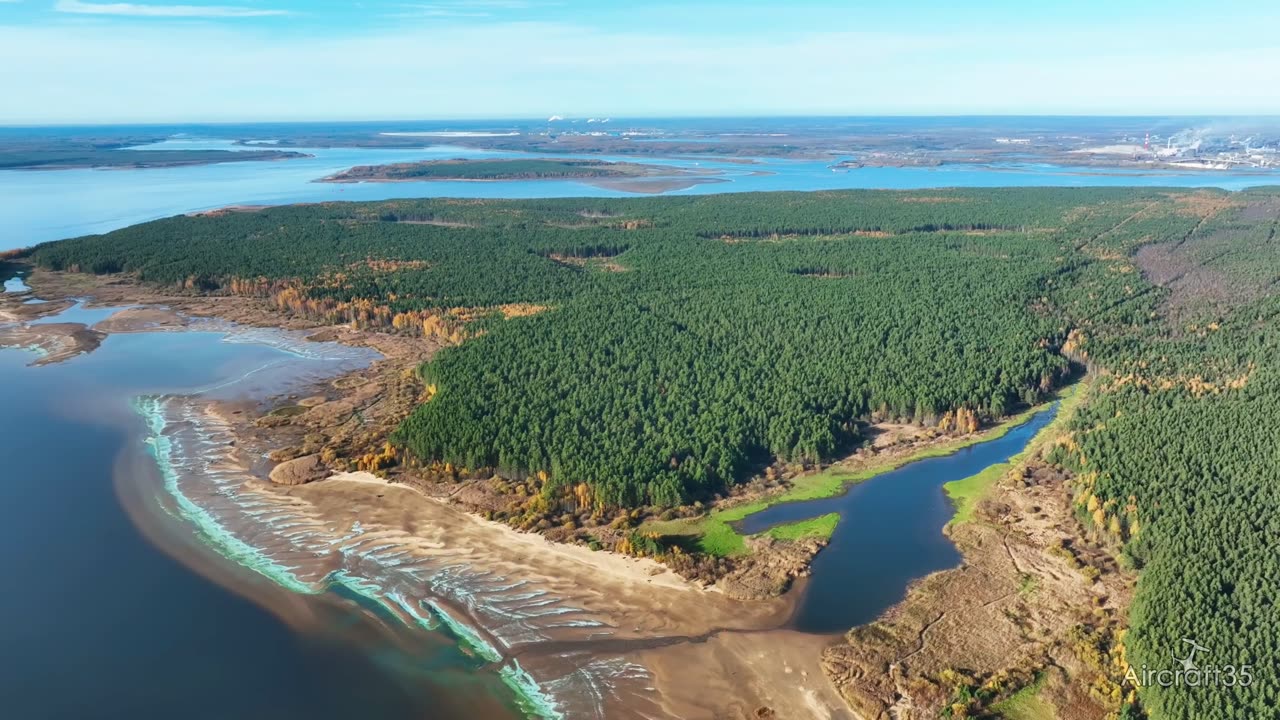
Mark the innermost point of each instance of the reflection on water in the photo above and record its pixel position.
(16, 285)
(890, 532)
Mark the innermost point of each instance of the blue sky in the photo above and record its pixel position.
(83, 61)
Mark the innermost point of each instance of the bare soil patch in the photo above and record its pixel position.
(1196, 272)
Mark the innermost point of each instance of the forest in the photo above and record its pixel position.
(1177, 460)
(655, 351)
(682, 342)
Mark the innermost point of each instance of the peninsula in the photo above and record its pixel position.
(632, 177)
(60, 155)
(641, 375)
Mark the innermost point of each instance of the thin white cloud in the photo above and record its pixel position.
(459, 8)
(126, 72)
(179, 11)
(425, 11)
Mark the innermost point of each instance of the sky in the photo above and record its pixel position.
(91, 61)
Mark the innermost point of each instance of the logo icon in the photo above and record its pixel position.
(1188, 663)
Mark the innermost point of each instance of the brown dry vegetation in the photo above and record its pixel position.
(1205, 204)
(1031, 597)
(600, 263)
(1198, 271)
(386, 266)
(345, 421)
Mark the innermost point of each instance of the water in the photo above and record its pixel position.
(103, 624)
(890, 532)
(78, 313)
(15, 285)
(52, 204)
(98, 612)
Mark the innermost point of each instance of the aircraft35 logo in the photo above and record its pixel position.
(1191, 671)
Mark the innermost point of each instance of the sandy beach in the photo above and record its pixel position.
(705, 654)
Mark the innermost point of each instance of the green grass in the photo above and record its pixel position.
(819, 528)
(967, 492)
(715, 535)
(711, 535)
(1028, 585)
(1025, 704)
(721, 540)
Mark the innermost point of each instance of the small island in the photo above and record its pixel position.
(630, 177)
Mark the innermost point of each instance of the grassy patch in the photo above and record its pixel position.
(967, 492)
(1026, 704)
(809, 487)
(834, 480)
(1028, 584)
(819, 528)
(710, 534)
(721, 540)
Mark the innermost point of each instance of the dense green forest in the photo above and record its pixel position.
(670, 346)
(1178, 458)
(724, 332)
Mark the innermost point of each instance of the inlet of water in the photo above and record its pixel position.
(890, 532)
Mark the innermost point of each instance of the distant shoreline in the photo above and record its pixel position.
(506, 169)
(142, 160)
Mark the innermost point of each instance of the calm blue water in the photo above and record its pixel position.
(78, 313)
(15, 284)
(52, 204)
(890, 532)
(101, 624)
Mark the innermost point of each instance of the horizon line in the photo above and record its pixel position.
(611, 118)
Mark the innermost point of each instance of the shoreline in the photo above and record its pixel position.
(655, 186)
(542, 614)
(572, 632)
(282, 155)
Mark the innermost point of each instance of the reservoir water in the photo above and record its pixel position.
(101, 623)
(890, 532)
(49, 205)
